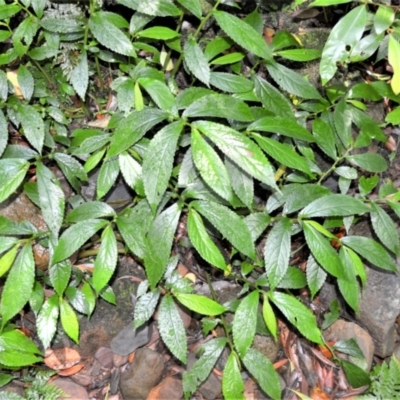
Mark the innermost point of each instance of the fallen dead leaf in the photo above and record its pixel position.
(72, 370)
(61, 358)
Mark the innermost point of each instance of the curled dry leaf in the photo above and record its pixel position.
(72, 370)
(61, 358)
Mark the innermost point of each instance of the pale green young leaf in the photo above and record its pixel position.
(159, 243)
(371, 250)
(277, 251)
(220, 106)
(131, 170)
(16, 340)
(160, 8)
(145, 306)
(283, 153)
(51, 198)
(194, 6)
(3, 132)
(158, 162)
(109, 35)
(59, 275)
(108, 174)
(159, 93)
(298, 314)
(241, 182)
(230, 224)
(371, 162)
(19, 284)
(300, 54)
(26, 82)
(171, 328)
(243, 34)
(292, 82)
(88, 298)
(394, 61)
(202, 242)
(200, 304)
(240, 149)
(227, 59)
(211, 351)
(79, 77)
(106, 259)
(12, 173)
(322, 250)
(348, 286)
(264, 372)
(46, 323)
(269, 317)
(334, 205)
(33, 125)
(8, 10)
(282, 126)
(273, 99)
(69, 320)
(342, 39)
(210, 166)
(89, 210)
(256, 223)
(316, 276)
(232, 382)
(383, 18)
(385, 228)
(245, 322)
(75, 236)
(7, 259)
(158, 32)
(196, 61)
(231, 83)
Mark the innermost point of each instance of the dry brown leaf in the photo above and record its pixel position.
(72, 370)
(61, 358)
(319, 394)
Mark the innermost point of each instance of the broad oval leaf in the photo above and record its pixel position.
(79, 77)
(145, 307)
(200, 304)
(232, 382)
(90, 210)
(230, 82)
(196, 61)
(108, 174)
(160, 94)
(12, 173)
(69, 321)
(369, 161)
(46, 322)
(383, 18)
(60, 274)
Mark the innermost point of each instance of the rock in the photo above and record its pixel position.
(118, 360)
(71, 389)
(141, 375)
(169, 388)
(344, 330)
(267, 346)
(105, 356)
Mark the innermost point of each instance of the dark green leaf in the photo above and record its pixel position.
(232, 382)
(145, 306)
(369, 161)
(33, 125)
(26, 82)
(79, 77)
(350, 347)
(194, 6)
(300, 54)
(355, 375)
(217, 46)
(257, 222)
(196, 61)
(294, 279)
(298, 196)
(160, 94)
(89, 210)
(188, 96)
(385, 228)
(59, 25)
(230, 82)
(108, 174)
(325, 137)
(242, 183)
(315, 275)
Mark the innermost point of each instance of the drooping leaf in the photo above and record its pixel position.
(158, 162)
(72, 169)
(171, 328)
(241, 182)
(12, 173)
(79, 77)
(202, 242)
(232, 382)
(277, 251)
(159, 243)
(160, 93)
(33, 125)
(269, 317)
(46, 322)
(106, 259)
(19, 284)
(145, 307)
(108, 174)
(69, 320)
(196, 61)
(315, 275)
(244, 322)
(232, 227)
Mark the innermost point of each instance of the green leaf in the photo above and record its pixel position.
(51, 198)
(200, 304)
(188, 96)
(283, 153)
(161, 8)
(394, 61)
(75, 236)
(393, 117)
(89, 210)
(132, 128)
(232, 227)
(16, 340)
(202, 241)
(292, 82)
(106, 259)
(371, 251)
(230, 82)
(46, 322)
(72, 169)
(227, 59)
(343, 122)
(171, 328)
(3, 132)
(244, 322)
(300, 54)
(60, 274)
(343, 38)
(194, 6)
(293, 279)
(33, 125)
(355, 375)
(79, 77)
(350, 347)
(159, 93)
(217, 46)
(366, 47)
(385, 228)
(131, 170)
(8, 10)
(232, 382)
(325, 137)
(26, 82)
(269, 317)
(159, 243)
(7, 259)
(12, 173)
(243, 34)
(210, 166)
(109, 35)
(145, 307)
(15, 359)
(19, 284)
(220, 106)
(59, 25)
(282, 126)
(383, 18)
(196, 61)
(277, 251)
(241, 182)
(211, 351)
(334, 205)
(158, 162)
(298, 314)
(256, 223)
(371, 162)
(272, 99)
(240, 149)
(264, 372)
(158, 32)
(108, 174)
(316, 276)
(322, 250)
(69, 321)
